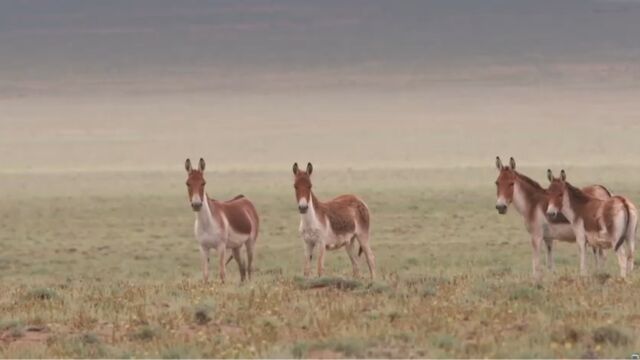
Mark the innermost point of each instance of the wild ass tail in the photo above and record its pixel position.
(625, 233)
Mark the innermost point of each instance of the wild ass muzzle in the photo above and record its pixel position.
(609, 223)
(221, 225)
(530, 200)
(331, 225)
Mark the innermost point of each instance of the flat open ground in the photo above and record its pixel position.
(105, 264)
(98, 258)
(406, 105)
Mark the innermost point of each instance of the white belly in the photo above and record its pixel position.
(314, 235)
(562, 232)
(236, 240)
(209, 237)
(214, 238)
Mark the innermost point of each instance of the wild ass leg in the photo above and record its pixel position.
(249, 245)
(597, 256)
(549, 245)
(581, 240)
(536, 243)
(238, 257)
(221, 261)
(363, 239)
(630, 240)
(308, 256)
(601, 258)
(351, 245)
(322, 249)
(622, 261)
(204, 254)
(631, 250)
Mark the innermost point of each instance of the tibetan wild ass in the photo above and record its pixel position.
(221, 225)
(530, 200)
(609, 223)
(331, 225)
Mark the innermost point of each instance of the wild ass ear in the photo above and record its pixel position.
(201, 164)
(309, 168)
(187, 165)
(295, 169)
(512, 163)
(498, 163)
(550, 175)
(563, 175)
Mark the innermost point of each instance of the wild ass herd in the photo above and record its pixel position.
(590, 216)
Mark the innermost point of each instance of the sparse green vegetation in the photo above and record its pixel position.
(132, 286)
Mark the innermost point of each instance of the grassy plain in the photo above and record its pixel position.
(104, 264)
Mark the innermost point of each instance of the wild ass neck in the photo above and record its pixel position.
(568, 200)
(310, 218)
(204, 217)
(519, 199)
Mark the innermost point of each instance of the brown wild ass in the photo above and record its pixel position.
(530, 200)
(331, 225)
(221, 225)
(597, 222)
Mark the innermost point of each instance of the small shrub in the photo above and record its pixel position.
(374, 288)
(351, 348)
(500, 271)
(348, 347)
(17, 332)
(145, 333)
(41, 294)
(89, 339)
(483, 289)
(565, 334)
(429, 291)
(299, 350)
(178, 353)
(82, 346)
(611, 335)
(413, 261)
(406, 337)
(524, 293)
(9, 324)
(201, 314)
(445, 342)
(602, 277)
(335, 282)
(270, 322)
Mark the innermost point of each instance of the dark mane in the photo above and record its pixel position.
(577, 194)
(529, 181)
(606, 190)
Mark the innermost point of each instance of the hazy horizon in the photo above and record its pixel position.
(259, 84)
(144, 46)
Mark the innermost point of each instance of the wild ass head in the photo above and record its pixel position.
(195, 184)
(302, 184)
(556, 193)
(504, 183)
